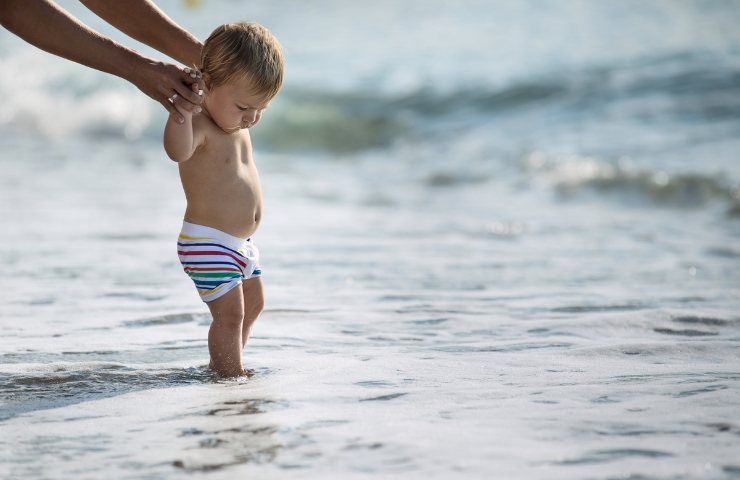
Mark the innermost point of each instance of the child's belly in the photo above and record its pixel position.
(232, 204)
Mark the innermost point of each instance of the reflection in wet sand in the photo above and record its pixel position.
(231, 439)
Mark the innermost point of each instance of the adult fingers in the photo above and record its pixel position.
(193, 73)
(164, 98)
(193, 78)
(199, 85)
(191, 97)
(178, 80)
(180, 104)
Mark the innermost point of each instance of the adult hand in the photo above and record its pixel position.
(49, 27)
(161, 80)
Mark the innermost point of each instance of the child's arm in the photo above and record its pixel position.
(182, 139)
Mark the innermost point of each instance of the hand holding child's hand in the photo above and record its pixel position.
(162, 82)
(183, 106)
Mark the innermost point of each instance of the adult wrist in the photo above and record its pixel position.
(191, 56)
(133, 65)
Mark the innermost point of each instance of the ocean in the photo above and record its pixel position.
(499, 240)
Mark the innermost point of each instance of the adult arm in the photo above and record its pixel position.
(144, 21)
(49, 27)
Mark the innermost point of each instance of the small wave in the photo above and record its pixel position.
(306, 119)
(601, 456)
(571, 174)
(447, 179)
(696, 89)
(247, 406)
(517, 347)
(169, 319)
(709, 389)
(38, 387)
(429, 321)
(720, 426)
(126, 236)
(390, 396)
(597, 308)
(330, 121)
(374, 383)
(684, 333)
(701, 320)
(604, 399)
(133, 295)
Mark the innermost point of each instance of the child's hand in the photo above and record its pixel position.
(180, 107)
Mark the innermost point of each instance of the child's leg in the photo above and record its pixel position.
(224, 337)
(254, 301)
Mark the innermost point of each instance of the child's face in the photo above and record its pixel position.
(232, 106)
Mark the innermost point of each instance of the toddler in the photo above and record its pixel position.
(242, 70)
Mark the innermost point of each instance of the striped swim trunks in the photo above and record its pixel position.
(215, 260)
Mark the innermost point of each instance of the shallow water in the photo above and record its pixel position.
(475, 266)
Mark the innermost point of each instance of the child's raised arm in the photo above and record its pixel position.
(181, 139)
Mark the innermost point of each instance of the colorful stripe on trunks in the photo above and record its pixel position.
(214, 267)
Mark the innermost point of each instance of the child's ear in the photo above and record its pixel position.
(207, 81)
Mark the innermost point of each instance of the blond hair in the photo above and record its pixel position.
(243, 50)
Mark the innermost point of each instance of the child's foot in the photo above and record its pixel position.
(245, 371)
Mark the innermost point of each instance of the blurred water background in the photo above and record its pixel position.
(500, 240)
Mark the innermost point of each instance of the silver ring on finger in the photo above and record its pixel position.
(172, 98)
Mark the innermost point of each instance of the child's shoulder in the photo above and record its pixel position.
(203, 124)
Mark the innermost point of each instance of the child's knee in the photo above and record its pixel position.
(253, 309)
(258, 305)
(228, 317)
